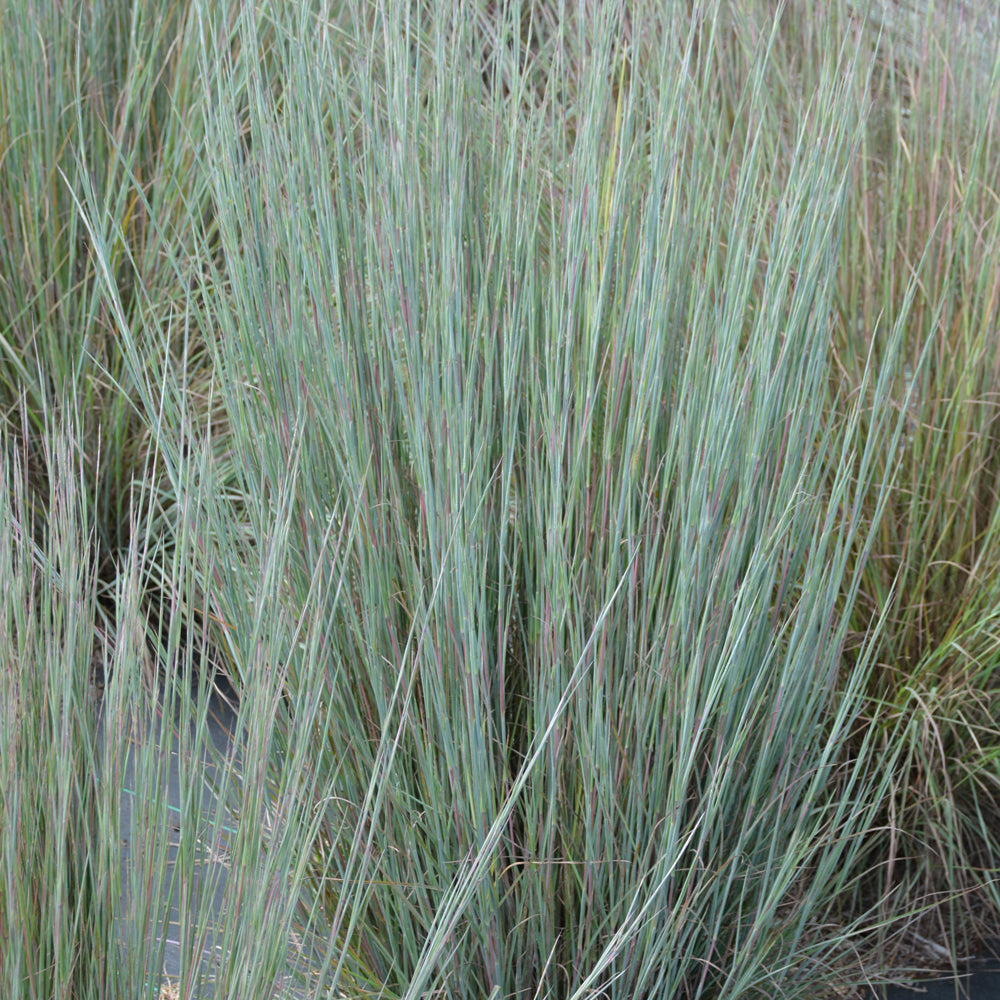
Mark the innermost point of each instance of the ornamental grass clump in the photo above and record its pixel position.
(51, 854)
(543, 447)
(924, 221)
(115, 837)
(573, 433)
(92, 100)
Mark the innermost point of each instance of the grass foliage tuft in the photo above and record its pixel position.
(573, 429)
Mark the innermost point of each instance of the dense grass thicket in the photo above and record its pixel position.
(574, 427)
